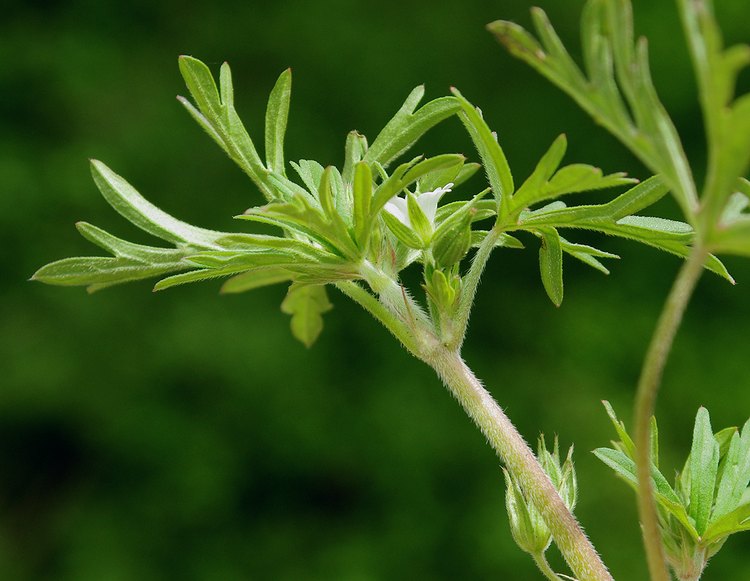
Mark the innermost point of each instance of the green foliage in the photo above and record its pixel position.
(616, 89)
(710, 499)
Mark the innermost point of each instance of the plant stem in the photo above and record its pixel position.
(541, 562)
(520, 460)
(648, 386)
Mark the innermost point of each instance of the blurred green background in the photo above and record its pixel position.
(187, 436)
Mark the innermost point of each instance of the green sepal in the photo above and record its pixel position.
(453, 237)
(420, 224)
(401, 231)
(362, 194)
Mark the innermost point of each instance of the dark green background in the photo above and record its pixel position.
(187, 436)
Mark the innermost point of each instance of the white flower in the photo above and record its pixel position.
(428, 201)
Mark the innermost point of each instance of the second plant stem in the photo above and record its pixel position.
(648, 386)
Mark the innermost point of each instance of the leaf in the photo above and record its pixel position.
(704, 463)
(550, 264)
(198, 276)
(735, 522)
(408, 125)
(131, 205)
(124, 249)
(734, 473)
(733, 238)
(201, 85)
(220, 120)
(626, 443)
(504, 240)
(311, 172)
(255, 278)
(587, 254)
(727, 123)
(101, 270)
(609, 52)
(277, 114)
(306, 304)
(544, 170)
(493, 158)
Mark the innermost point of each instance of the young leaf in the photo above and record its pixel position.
(704, 463)
(306, 304)
(401, 231)
(626, 443)
(550, 264)
(311, 172)
(734, 474)
(277, 114)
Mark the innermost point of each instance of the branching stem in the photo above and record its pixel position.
(648, 386)
(520, 460)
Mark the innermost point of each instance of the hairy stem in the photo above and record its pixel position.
(648, 386)
(520, 460)
(541, 562)
(378, 310)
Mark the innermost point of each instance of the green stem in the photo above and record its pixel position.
(541, 562)
(648, 386)
(378, 310)
(509, 445)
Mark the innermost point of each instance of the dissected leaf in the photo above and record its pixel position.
(306, 304)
